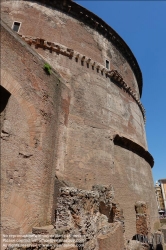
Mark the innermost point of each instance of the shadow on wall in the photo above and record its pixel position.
(159, 247)
(106, 210)
(4, 97)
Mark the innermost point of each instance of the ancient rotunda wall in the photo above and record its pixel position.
(105, 85)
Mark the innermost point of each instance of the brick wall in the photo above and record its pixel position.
(29, 135)
(73, 124)
(55, 26)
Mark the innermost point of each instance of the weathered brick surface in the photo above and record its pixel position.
(29, 136)
(142, 218)
(113, 240)
(55, 26)
(85, 219)
(66, 129)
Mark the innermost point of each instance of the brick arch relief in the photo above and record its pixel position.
(11, 88)
(18, 128)
(4, 98)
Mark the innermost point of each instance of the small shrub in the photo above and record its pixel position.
(47, 68)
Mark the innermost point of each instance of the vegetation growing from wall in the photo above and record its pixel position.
(47, 68)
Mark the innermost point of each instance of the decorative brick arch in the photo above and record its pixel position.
(12, 85)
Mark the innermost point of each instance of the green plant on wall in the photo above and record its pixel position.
(47, 68)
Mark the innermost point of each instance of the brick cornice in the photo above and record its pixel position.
(63, 50)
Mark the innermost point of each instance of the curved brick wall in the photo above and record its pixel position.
(99, 106)
(55, 26)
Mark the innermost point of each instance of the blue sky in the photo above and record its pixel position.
(142, 25)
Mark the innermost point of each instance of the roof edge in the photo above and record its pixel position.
(162, 180)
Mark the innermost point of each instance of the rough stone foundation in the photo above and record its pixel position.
(89, 220)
